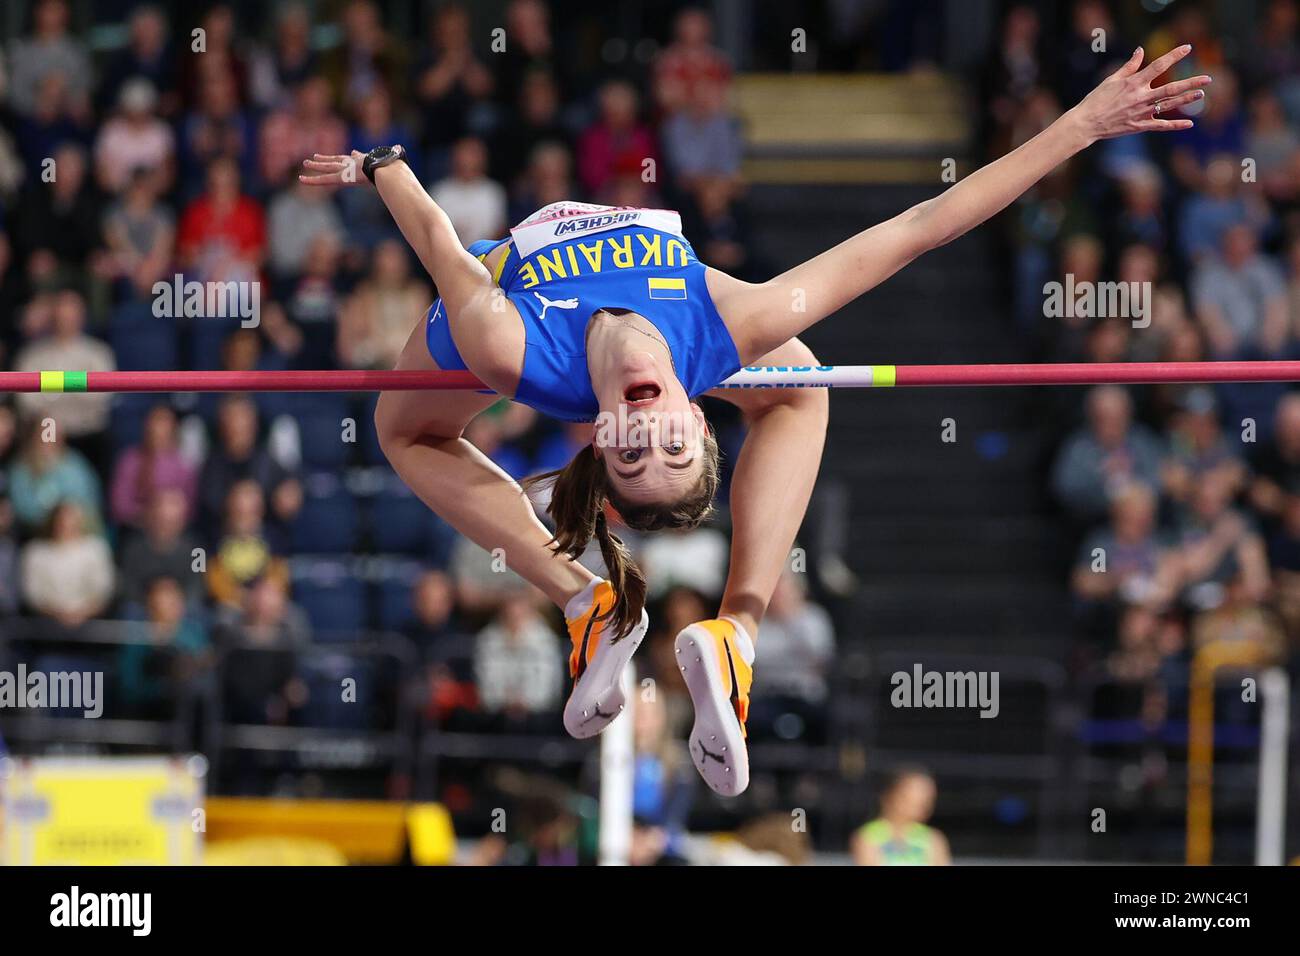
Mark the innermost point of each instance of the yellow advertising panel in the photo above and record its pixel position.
(101, 811)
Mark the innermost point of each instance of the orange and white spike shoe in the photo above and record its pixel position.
(597, 661)
(717, 660)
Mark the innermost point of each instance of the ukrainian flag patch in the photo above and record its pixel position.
(666, 288)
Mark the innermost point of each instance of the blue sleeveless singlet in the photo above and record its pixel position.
(568, 261)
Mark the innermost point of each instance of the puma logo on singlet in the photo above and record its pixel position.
(558, 303)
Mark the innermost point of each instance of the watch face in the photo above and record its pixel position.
(381, 152)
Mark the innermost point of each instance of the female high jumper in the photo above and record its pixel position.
(593, 313)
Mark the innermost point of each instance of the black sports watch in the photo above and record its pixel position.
(381, 156)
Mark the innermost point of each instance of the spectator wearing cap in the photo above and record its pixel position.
(1107, 453)
(67, 574)
(135, 137)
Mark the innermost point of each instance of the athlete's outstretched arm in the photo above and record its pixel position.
(761, 316)
(463, 283)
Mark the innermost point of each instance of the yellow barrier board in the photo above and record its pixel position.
(101, 811)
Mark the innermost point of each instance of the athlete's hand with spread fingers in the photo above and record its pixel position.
(1128, 101)
(334, 170)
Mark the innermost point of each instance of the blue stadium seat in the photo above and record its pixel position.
(336, 607)
(145, 348)
(368, 436)
(322, 441)
(206, 338)
(320, 423)
(325, 706)
(129, 412)
(400, 523)
(393, 611)
(135, 314)
(328, 521)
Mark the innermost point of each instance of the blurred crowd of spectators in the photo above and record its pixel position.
(241, 521)
(1185, 500)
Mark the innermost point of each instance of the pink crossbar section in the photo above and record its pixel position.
(839, 376)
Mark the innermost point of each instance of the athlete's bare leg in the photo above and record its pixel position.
(773, 481)
(420, 433)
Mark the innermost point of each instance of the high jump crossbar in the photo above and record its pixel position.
(821, 376)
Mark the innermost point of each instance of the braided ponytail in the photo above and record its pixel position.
(579, 493)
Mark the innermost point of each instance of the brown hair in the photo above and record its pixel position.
(579, 492)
